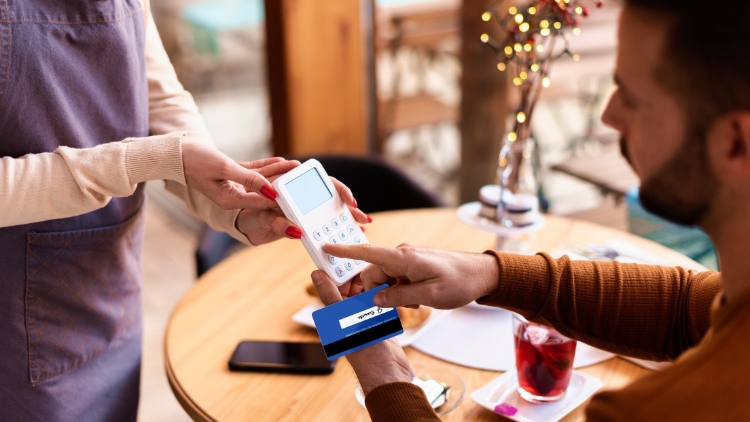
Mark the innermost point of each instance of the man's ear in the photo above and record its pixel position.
(728, 146)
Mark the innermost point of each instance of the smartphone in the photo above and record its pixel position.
(273, 356)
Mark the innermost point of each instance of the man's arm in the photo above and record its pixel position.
(646, 311)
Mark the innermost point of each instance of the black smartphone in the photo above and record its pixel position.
(274, 356)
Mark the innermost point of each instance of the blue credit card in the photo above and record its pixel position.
(355, 323)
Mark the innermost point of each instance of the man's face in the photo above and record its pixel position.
(656, 137)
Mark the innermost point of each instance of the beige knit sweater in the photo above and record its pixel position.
(69, 182)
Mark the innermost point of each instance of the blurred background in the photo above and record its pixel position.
(405, 82)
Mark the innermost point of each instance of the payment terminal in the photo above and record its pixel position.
(308, 199)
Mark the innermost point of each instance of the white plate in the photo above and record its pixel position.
(469, 214)
(304, 317)
(501, 396)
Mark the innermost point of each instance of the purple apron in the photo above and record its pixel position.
(71, 73)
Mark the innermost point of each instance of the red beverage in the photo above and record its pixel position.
(544, 361)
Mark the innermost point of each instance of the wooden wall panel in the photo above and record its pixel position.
(321, 79)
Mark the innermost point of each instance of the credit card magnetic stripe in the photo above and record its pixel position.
(355, 323)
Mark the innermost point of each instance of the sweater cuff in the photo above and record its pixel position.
(155, 158)
(399, 401)
(523, 283)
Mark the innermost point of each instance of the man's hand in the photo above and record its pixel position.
(265, 225)
(229, 184)
(421, 276)
(379, 364)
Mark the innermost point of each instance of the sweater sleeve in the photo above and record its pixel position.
(71, 181)
(172, 108)
(645, 311)
(399, 401)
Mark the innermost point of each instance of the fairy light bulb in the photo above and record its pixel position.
(523, 27)
(486, 16)
(508, 51)
(523, 75)
(540, 48)
(545, 82)
(512, 136)
(512, 10)
(557, 25)
(527, 47)
(501, 67)
(485, 38)
(535, 67)
(521, 117)
(517, 81)
(576, 57)
(518, 18)
(579, 10)
(518, 47)
(544, 24)
(532, 10)
(545, 32)
(576, 31)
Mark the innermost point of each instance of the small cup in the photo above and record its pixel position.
(544, 361)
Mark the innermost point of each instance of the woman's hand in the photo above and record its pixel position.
(379, 364)
(265, 225)
(421, 276)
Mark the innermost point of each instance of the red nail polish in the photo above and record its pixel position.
(363, 229)
(294, 232)
(268, 192)
(369, 219)
(355, 203)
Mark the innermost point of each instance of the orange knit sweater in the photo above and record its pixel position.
(646, 311)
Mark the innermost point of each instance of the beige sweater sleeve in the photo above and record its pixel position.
(69, 181)
(172, 108)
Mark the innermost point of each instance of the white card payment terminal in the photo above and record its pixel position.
(308, 199)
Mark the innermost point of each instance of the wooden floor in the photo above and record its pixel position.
(169, 271)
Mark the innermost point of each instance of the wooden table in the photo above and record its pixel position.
(253, 295)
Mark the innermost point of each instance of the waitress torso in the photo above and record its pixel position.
(71, 73)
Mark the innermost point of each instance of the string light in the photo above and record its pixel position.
(576, 57)
(512, 10)
(518, 47)
(579, 10)
(519, 18)
(508, 51)
(521, 117)
(557, 25)
(544, 24)
(501, 67)
(527, 47)
(524, 27)
(540, 48)
(545, 32)
(532, 10)
(545, 82)
(512, 136)
(524, 75)
(517, 81)
(577, 31)
(485, 38)
(535, 67)
(486, 16)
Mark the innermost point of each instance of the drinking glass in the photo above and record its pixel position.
(544, 361)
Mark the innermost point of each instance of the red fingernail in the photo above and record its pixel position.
(363, 229)
(294, 232)
(268, 192)
(355, 203)
(369, 219)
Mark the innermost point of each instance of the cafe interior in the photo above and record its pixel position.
(421, 108)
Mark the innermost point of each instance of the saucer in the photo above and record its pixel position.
(501, 396)
(469, 215)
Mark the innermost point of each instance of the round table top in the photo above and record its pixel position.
(253, 294)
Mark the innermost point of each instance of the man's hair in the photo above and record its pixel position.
(706, 60)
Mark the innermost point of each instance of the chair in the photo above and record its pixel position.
(376, 185)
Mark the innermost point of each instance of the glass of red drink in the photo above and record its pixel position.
(544, 361)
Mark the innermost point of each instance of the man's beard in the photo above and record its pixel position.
(683, 189)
